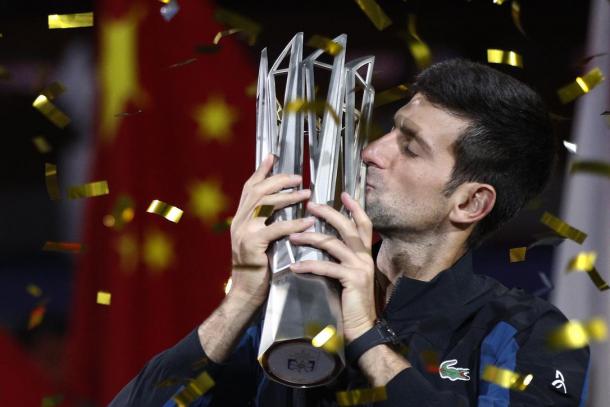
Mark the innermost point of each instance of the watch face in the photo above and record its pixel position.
(300, 364)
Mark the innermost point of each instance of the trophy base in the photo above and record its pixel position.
(297, 363)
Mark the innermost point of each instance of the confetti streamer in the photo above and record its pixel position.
(329, 46)
(183, 63)
(506, 378)
(170, 10)
(89, 190)
(236, 21)
(263, 211)
(70, 20)
(50, 176)
(103, 298)
(391, 95)
(517, 254)
(67, 247)
(585, 261)
(375, 13)
(169, 212)
(500, 56)
(575, 334)
(195, 389)
(42, 145)
(318, 106)
(562, 228)
(225, 33)
(580, 86)
(592, 167)
(361, 396)
(36, 316)
(418, 49)
(515, 10)
(50, 111)
(33, 290)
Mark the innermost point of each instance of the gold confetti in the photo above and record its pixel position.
(419, 49)
(562, 228)
(499, 2)
(580, 86)
(51, 112)
(237, 21)
(169, 212)
(585, 261)
(36, 316)
(318, 106)
(506, 378)
(515, 10)
(33, 290)
(593, 167)
(42, 145)
(4, 73)
(391, 95)
(70, 20)
(50, 176)
(67, 247)
(263, 211)
(575, 334)
(517, 254)
(194, 389)
(361, 396)
(328, 339)
(374, 12)
(329, 46)
(228, 285)
(103, 297)
(89, 190)
(500, 56)
(225, 33)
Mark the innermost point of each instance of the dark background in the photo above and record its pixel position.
(552, 51)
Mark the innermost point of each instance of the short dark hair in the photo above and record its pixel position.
(509, 143)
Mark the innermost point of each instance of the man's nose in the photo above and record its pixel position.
(376, 153)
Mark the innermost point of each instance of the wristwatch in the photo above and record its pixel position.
(379, 334)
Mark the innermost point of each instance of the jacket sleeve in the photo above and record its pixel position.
(165, 374)
(559, 378)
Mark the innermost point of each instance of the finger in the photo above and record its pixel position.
(329, 244)
(321, 268)
(263, 169)
(361, 219)
(283, 228)
(344, 226)
(281, 200)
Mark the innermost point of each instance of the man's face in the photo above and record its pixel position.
(409, 167)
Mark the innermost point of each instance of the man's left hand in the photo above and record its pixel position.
(355, 268)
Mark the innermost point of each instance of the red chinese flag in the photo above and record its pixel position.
(174, 129)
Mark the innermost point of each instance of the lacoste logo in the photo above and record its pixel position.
(447, 371)
(560, 382)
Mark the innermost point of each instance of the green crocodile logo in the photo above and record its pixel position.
(447, 371)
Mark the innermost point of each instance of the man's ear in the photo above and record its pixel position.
(472, 201)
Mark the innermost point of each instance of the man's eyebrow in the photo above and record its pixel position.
(403, 124)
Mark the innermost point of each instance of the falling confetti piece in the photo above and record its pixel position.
(236, 21)
(418, 48)
(42, 145)
(571, 147)
(580, 86)
(329, 46)
(391, 95)
(562, 228)
(327, 339)
(515, 9)
(228, 285)
(317, 106)
(50, 176)
(500, 56)
(194, 389)
(225, 33)
(506, 378)
(70, 20)
(517, 254)
(592, 167)
(89, 190)
(575, 334)
(361, 396)
(68, 247)
(375, 13)
(33, 290)
(499, 2)
(51, 112)
(103, 297)
(169, 212)
(585, 261)
(183, 63)
(36, 316)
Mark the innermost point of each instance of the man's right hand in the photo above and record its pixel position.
(250, 236)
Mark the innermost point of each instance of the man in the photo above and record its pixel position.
(466, 153)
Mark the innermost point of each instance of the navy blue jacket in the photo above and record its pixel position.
(452, 326)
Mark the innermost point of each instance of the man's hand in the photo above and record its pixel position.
(250, 236)
(355, 268)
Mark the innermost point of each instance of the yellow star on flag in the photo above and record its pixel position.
(215, 119)
(118, 70)
(207, 200)
(158, 252)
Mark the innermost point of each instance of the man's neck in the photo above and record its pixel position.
(421, 260)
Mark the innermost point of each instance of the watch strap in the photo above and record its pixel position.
(379, 334)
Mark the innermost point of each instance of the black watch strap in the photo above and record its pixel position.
(379, 334)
